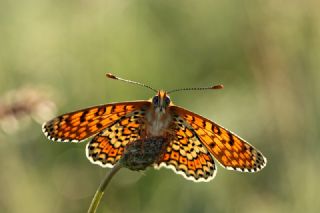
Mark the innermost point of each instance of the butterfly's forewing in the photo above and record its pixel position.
(186, 155)
(229, 149)
(79, 125)
(106, 148)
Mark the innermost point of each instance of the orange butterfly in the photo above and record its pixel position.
(193, 141)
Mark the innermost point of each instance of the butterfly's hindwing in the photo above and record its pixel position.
(106, 148)
(186, 155)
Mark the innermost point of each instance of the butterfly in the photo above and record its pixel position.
(192, 142)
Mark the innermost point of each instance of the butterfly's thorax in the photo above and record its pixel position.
(157, 122)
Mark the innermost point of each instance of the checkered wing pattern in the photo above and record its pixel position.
(230, 150)
(79, 125)
(106, 148)
(186, 155)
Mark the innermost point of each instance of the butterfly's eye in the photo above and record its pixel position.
(155, 100)
(167, 101)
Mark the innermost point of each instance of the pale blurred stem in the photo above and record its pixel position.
(100, 191)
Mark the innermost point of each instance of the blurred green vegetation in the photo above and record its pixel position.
(265, 53)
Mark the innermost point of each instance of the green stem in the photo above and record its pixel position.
(100, 191)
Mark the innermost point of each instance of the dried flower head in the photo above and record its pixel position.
(140, 154)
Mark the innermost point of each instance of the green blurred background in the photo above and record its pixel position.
(266, 53)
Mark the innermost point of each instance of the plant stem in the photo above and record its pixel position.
(100, 191)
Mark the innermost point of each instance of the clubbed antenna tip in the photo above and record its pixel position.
(110, 75)
(219, 86)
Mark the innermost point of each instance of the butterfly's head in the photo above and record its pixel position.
(161, 101)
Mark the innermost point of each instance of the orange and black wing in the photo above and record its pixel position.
(230, 150)
(80, 125)
(186, 155)
(106, 148)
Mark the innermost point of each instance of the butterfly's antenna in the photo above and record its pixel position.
(110, 75)
(219, 86)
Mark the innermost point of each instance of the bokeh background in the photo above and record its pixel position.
(53, 59)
